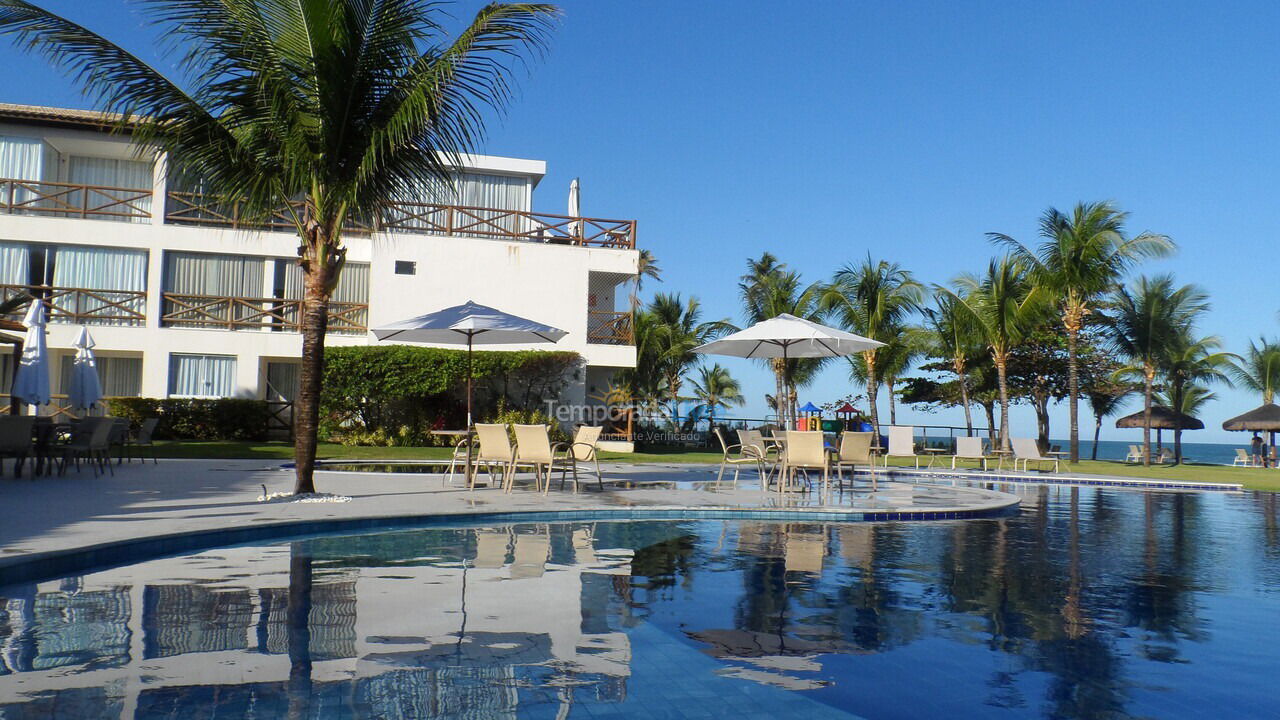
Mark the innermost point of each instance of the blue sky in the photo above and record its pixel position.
(824, 131)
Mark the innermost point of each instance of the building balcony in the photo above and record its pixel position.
(215, 312)
(609, 328)
(83, 306)
(71, 200)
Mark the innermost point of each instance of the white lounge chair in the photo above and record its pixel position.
(969, 448)
(902, 443)
(1242, 458)
(1026, 452)
(855, 450)
(1135, 454)
(1165, 455)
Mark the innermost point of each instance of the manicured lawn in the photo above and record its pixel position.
(1252, 478)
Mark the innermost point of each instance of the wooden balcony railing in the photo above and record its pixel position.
(185, 208)
(238, 313)
(83, 306)
(609, 328)
(96, 202)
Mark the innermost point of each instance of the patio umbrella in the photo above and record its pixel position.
(470, 323)
(32, 382)
(86, 388)
(575, 208)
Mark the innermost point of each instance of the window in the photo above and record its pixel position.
(406, 267)
(119, 376)
(282, 381)
(202, 376)
(207, 290)
(112, 204)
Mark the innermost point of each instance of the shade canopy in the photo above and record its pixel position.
(787, 336)
(1162, 418)
(1264, 418)
(86, 388)
(810, 408)
(32, 382)
(846, 408)
(469, 324)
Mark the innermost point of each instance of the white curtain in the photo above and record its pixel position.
(353, 287)
(133, 175)
(500, 192)
(105, 269)
(209, 376)
(475, 190)
(119, 376)
(24, 159)
(231, 276)
(282, 381)
(14, 264)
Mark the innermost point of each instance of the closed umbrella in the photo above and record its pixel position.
(86, 388)
(32, 382)
(473, 324)
(575, 208)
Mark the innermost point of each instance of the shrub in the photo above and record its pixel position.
(196, 419)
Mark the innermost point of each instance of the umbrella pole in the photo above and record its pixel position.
(469, 369)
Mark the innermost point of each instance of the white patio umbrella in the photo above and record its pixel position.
(473, 324)
(787, 336)
(575, 208)
(32, 382)
(86, 388)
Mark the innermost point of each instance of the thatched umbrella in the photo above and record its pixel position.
(1162, 418)
(1264, 418)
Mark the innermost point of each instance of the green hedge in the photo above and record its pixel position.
(394, 394)
(195, 419)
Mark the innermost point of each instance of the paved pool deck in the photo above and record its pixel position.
(54, 516)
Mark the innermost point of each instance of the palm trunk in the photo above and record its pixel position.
(1177, 446)
(306, 408)
(779, 393)
(1097, 431)
(893, 404)
(298, 629)
(873, 389)
(1001, 361)
(990, 409)
(963, 378)
(1073, 392)
(1149, 381)
(1041, 403)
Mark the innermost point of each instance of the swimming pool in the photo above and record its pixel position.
(1087, 603)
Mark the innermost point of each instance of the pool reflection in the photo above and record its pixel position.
(1090, 604)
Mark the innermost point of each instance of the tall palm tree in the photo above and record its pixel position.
(769, 289)
(1105, 399)
(715, 388)
(873, 299)
(331, 110)
(1082, 256)
(1259, 369)
(1147, 325)
(678, 329)
(953, 337)
(905, 346)
(646, 267)
(1189, 365)
(1006, 307)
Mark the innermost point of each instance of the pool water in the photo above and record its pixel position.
(1087, 604)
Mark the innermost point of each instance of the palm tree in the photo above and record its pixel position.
(331, 110)
(715, 388)
(1006, 307)
(873, 299)
(677, 330)
(1081, 258)
(953, 338)
(1147, 326)
(1259, 369)
(1190, 364)
(769, 289)
(646, 267)
(905, 346)
(1105, 399)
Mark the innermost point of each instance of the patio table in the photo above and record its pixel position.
(468, 468)
(934, 453)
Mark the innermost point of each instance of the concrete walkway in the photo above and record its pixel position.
(54, 515)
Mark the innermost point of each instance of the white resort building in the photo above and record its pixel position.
(183, 301)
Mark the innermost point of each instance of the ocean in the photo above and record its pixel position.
(1210, 453)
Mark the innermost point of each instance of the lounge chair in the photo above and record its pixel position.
(90, 440)
(16, 434)
(1242, 458)
(1165, 455)
(1026, 452)
(737, 456)
(582, 449)
(534, 450)
(806, 450)
(902, 443)
(493, 450)
(1135, 454)
(118, 437)
(969, 448)
(855, 450)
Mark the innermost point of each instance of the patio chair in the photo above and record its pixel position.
(737, 456)
(89, 440)
(1242, 458)
(806, 450)
(493, 450)
(1165, 455)
(145, 439)
(16, 432)
(902, 443)
(969, 448)
(1026, 452)
(458, 459)
(533, 450)
(582, 450)
(855, 450)
(118, 437)
(1135, 454)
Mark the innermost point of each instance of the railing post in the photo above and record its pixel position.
(448, 221)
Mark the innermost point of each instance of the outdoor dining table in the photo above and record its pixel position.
(934, 453)
(469, 467)
(1000, 456)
